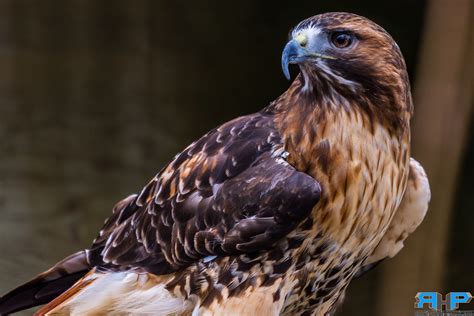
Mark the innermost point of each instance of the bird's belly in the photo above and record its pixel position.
(363, 182)
(363, 177)
(342, 236)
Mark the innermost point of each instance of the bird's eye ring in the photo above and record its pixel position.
(341, 39)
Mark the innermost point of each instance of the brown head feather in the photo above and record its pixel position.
(370, 75)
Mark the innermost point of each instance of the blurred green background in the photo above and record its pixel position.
(96, 96)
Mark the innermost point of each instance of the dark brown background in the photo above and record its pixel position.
(96, 96)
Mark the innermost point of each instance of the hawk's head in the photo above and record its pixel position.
(350, 55)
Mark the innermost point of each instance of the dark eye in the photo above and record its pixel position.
(341, 39)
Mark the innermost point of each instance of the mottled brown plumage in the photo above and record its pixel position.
(273, 212)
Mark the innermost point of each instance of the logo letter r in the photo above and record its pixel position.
(429, 298)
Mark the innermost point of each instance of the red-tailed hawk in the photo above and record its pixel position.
(271, 213)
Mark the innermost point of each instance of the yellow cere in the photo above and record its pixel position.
(301, 39)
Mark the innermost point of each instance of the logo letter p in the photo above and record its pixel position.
(456, 298)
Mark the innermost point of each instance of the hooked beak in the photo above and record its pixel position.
(294, 53)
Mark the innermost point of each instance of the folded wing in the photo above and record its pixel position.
(229, 193)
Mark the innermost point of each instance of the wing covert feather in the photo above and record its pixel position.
(228, 193)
